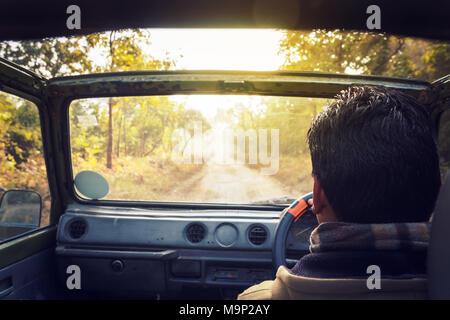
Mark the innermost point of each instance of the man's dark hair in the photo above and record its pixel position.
(376, 157)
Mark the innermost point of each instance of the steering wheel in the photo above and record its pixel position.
(297, 209)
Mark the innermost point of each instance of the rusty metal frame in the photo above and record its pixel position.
(284, 83)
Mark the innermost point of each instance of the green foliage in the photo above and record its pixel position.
(336, 51)
(20, 127)
(22, 163)
(124, 52)
(291, 116)
(144, 126)
(368, 53)
(50, 57)
(436, 61)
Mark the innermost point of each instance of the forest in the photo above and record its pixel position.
(130, 139)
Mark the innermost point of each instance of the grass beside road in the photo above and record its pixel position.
(294, 173)
(149, 179)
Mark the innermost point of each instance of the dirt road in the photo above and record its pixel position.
(227, 184)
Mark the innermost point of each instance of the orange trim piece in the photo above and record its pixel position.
(298, 217)
(298, 207)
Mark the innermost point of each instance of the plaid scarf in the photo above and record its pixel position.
(341, 236)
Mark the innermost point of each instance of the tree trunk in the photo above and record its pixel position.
(110, 136)
(109, 149)
(125, 136)
(143, 143)
(146, 154)
(118, 138)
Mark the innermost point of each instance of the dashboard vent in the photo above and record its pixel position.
(195, 232)
(257, 235)
(77, 228)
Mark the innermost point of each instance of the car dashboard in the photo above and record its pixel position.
(154, 253)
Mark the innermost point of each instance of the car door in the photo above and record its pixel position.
(27, 231)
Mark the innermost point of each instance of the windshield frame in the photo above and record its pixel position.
(62, 91)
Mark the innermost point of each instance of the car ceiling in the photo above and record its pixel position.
(31, 19)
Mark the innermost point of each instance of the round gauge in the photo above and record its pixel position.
(226, 234)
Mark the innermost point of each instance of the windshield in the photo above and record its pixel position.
(196, 148)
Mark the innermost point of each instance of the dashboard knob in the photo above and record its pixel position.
(117, 265)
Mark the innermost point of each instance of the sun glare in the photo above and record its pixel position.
(213, 106)
(211, 49)
(219, 49)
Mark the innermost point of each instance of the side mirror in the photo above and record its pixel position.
(20, 208)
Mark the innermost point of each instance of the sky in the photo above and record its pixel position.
(220, 49)
(213, 105)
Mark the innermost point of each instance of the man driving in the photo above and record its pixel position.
(376, 179)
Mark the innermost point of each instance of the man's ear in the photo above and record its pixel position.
(321, 206)
(318, 196)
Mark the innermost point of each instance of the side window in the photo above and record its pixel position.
(24, 191)
(444, 143)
